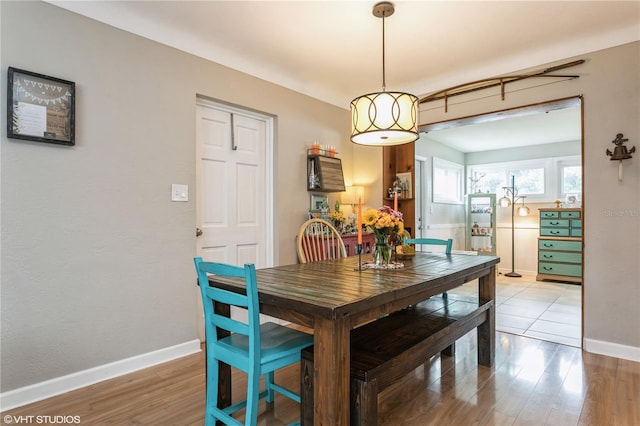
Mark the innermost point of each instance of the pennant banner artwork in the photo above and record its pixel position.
(41, 108)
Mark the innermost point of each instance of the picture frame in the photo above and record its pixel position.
(406, 183)
(40, 108)
(317, 201)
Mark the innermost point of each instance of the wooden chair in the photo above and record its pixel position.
(248, 346)
(319, 240)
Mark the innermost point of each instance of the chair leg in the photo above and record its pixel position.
(253, 395)
(268, 384)
(212, 391)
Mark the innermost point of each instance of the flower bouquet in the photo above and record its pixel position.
(383, 223)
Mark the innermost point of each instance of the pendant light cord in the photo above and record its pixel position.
(384, 80)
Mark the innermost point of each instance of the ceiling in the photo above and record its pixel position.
(332, 50)
(558, 125)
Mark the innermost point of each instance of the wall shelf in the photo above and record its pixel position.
(324, 174)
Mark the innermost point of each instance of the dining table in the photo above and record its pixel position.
(335, 296)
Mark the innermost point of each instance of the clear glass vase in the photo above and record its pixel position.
(382, 252)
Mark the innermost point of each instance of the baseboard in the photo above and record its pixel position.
(43, 390)
(616, 350)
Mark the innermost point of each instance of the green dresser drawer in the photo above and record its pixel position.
(554, 223)
(570, 215)
(576, 223)
(560, 245)
(560, 269)
(551, 232)
(560, 256)
(576, 232)
(548, 215)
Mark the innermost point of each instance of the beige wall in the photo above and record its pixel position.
(610, 88)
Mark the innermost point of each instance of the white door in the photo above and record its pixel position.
(234, 186)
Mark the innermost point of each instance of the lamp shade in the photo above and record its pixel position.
(352, 194)
(523, 211)
(384, 119)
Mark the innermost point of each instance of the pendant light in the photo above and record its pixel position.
(384, 118)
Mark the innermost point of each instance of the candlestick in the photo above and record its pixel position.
(359, 220)
(395, 200)
(358, 250)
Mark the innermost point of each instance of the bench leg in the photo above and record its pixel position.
(306, 392)
(449, 350)
(364, 402)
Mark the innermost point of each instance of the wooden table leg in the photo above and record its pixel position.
(487, 330)
(224, 370)
(331, 372)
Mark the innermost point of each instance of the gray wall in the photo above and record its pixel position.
(532, 152)
(610, 88)
(96, 259)
(439, 213)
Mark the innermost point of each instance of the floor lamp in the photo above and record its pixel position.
(510, 199)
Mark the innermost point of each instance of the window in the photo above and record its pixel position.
(447, 182)
(539, 180)
(529, 181)
(570, 179)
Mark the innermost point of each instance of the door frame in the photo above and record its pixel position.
(539, 107)
(422, 199)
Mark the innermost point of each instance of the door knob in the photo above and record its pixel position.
(198, 232)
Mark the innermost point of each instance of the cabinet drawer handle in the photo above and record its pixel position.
(546, 268)
(547, 245)
(547, 256)
(554, 232)
(554, 223)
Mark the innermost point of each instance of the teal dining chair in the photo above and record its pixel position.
(248, 346)
(431, 242)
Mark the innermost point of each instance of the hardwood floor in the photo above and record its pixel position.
(533, 382)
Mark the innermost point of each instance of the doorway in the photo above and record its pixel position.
(525, 305)
(234, 187)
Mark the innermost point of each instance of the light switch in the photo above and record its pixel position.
(179, 192)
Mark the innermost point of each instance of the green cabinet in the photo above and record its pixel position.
(481, 223)
(560, 245)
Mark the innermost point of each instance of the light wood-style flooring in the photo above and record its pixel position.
(533, 382)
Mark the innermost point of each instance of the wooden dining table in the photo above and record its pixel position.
(333, 297)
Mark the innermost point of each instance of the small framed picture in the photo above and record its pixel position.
(404, 180)
(40, 108)
(317, 201)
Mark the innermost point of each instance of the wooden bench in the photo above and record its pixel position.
(387, 349)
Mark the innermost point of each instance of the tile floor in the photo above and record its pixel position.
(544, 310)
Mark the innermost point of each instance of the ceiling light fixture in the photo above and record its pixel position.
(384, 118)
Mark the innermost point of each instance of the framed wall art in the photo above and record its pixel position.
(40, 108)
(317, 201)
(404, 180)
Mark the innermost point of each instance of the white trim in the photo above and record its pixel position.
(59, 385)
(616, 350)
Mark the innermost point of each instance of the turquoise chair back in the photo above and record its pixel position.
(257, 349)
(431, 242)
